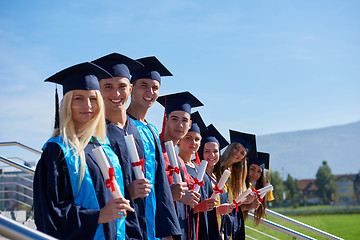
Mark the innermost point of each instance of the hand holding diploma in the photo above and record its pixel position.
(173, 161)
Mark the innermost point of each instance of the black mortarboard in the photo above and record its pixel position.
(183, 101)
(262, 160)
(197, 124)
(213, 135)
(118, 65)
(83, 76)
(152, 69)
(247, 140)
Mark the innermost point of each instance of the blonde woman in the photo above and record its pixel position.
(71, 199)
(242, 145)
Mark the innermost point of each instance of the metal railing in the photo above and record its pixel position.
(279, 228)
(300, 224)
(14, 230)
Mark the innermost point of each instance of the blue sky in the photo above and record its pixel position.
(258, 66)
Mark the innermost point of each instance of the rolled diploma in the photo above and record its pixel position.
(263, 191)
(243, 196)
(134, 157)
(200, 175)
(104, 167)
(225, 176)
(173, 159)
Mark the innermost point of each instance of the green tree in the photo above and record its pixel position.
(278, 185)
(293, 191)
(325, 183)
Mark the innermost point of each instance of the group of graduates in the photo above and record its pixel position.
(72, 198)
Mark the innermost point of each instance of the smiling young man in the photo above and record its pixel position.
(115, 92)
(146, 86)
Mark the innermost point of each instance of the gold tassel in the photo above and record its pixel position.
(270, 196)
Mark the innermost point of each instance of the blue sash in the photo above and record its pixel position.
(86, 196)
(150, 161)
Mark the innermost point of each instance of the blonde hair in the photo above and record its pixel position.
(237, 179)
(77, 142)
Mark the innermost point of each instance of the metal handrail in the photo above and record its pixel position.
(17, 165)
(300, 224)
(20, 145)
(18, 201)
(14, 230)
(259, 232)
(17, 184)
(16, 192)
(282, 229)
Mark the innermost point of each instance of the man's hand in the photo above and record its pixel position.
(139, 188)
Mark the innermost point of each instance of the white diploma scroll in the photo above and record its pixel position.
(173, 159)
(105, 167)
(134, 156)
(200, 175)
(225, 176)
(243, 196)
(263, 191)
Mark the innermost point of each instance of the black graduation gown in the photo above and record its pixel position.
(135, 221)
(225, 226)
(208, 226)
(54, 210)
(165, 217)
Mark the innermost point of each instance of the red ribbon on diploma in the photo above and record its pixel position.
(109, 182)
(237, 205)
(173, 169)
(217, 190)
(139, 163)
(199, 183)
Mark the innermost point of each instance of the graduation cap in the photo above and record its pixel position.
(183, 101)
(152, 69)
(262, 160)
(118, 65)
(197, 124)
(247, 140)
(213, 135)
(83, 76)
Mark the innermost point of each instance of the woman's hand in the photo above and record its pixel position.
(206, 205)
(225, 208)
(114, 208)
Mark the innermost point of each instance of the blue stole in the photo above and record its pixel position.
(86, 196)
(150, 161)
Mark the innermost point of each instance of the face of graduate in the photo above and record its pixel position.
(177, 125)
(254, 172)
(115, 92)
(190, 143)
(145, 92)
(238, 153)
(211, 153)
(84, 107)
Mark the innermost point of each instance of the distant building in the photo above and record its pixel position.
(347, 190)
(308, 192)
